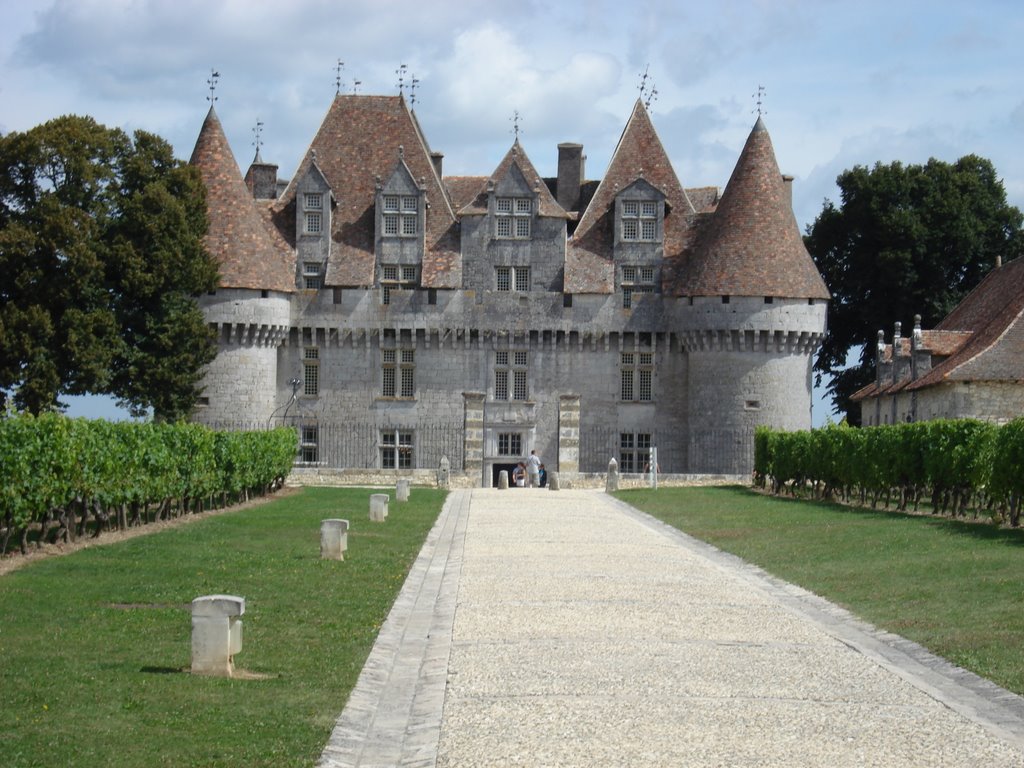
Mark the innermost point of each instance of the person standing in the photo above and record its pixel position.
(533, 469)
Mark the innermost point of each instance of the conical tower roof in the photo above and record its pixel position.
(247, 254)
(752, 246)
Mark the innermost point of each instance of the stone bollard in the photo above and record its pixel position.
(216, 634)
(333, 539)
(553, 481)
(503, 480)
(378, 507)
(402, 490)
(612, 482)
(443, 472)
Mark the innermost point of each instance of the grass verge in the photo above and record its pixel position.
(95, 646)
(955, 587)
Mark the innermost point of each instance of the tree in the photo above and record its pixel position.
(101, 251)
(906, 240)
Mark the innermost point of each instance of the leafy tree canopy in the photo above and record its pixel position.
(101, 255)
(906, 240)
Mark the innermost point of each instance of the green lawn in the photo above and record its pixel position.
(95, 646)
(955, 587)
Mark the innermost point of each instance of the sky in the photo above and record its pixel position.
(844, 83)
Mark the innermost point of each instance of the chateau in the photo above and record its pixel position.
(396, 315)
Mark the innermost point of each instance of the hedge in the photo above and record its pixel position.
(61, 472)
(957, 464)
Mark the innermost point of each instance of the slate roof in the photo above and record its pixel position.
(639, 154)
(248, 254)
(546, 203)
(357, 144)
(752, 245)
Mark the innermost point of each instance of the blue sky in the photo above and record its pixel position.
(846, 83)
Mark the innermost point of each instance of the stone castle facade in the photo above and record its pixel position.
(397, 316)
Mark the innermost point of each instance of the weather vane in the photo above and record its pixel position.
(355, 86)
(401, 78)
(515, 124)
(759, 101)
(212, 82)
(412, 89)
(648, 93)
(337, 76)
(257, 133)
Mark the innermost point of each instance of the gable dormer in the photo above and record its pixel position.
(639, 215)
(313, 204)
(400, 218)
(512, 206)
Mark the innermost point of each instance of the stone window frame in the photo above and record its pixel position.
(397, 277)
(398, 373)
(510, 444)
(311, 275)
(634, 279)
(397, 448)
(636, 376)
(400, 215)
(311, 371)
(634, 451)
(512, 279)
(513, 217)
(309, 443)
(511, 375)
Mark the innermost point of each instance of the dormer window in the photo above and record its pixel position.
(640, 221)
(636, 280)
(401, 215)
(314, 222)
(512, 216)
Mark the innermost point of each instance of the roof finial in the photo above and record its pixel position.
(515, 124)
(257, 133)
(648, 93)
(355, 86)
(401, 78)
(401, 152)
(759, 101)
(212, 82)
(337, 76)
(412, 89)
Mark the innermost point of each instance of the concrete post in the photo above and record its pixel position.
(444, 469)
(402, 490)
(653, 466)
(333, 539)
(378, 507)
(611, 483)
(216, 634)
(553, 481)
(503, 480)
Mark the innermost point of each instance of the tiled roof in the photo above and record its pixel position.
(994, 314)
(249, 256)
(546, 203)
(462, 189)
(752, 246)
(358, 142)
(639, 154)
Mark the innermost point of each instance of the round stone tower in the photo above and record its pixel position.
(751, 317)
(250, 310)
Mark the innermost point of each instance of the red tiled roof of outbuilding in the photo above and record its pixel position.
(248, 255)
(752, 246)
(994, 314)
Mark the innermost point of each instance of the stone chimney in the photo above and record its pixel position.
(261, 179)
(437, 158)
(787, 184)
(570, 175)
